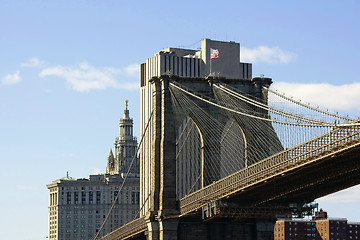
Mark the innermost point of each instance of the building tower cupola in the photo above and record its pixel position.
(125, 146)
(126, 125)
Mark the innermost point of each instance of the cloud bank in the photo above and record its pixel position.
(85, 77)
(271, 55)
(10, 79)
(344, 97)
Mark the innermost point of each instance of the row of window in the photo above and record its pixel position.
(95, 197)
(95, 188)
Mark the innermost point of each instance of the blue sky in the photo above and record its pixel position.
(66, 68)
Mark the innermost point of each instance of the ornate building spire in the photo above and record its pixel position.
(125, 147)
(111, 165)
(126, 125)
(126, 111)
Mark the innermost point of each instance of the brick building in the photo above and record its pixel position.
(319, 228)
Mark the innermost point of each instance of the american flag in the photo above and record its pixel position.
(214, 53)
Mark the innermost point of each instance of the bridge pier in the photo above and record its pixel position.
(251, 229)
(169, 229)
(197, 229)
(152, 230)
(162, 230)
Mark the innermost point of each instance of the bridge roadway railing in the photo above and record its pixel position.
(131, 229)
(271, 166)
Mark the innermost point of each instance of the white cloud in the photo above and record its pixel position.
(33, 62)
(10, 79)
(338, 98)
(350, 195)
(272, 55)
(84, 77)
(133, 69)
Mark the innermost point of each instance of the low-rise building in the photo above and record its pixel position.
(295, 230)
(320, 227)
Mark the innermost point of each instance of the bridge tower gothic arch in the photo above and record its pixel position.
(200, 154)
(189, 157)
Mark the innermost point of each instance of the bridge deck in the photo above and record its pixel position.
(312, 169)
(129, 230)
(288, 161)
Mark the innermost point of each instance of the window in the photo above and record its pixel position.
(115, 195)
(83, 197)
(76, 197)
(68, 198)
(91, 197)
(133, 197)
(98, 197)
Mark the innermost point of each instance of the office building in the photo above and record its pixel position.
(78, 207)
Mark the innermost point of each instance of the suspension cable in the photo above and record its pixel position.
(143, 205)
(214, 103)
(307, 106)
(267, 107)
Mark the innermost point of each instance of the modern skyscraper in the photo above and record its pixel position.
(78, 207)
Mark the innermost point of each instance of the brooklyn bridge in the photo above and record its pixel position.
(224, 158)
(222, 155)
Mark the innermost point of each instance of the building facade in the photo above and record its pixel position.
(183, 63)
(78, 207)
(295, 229)
(319, 228)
